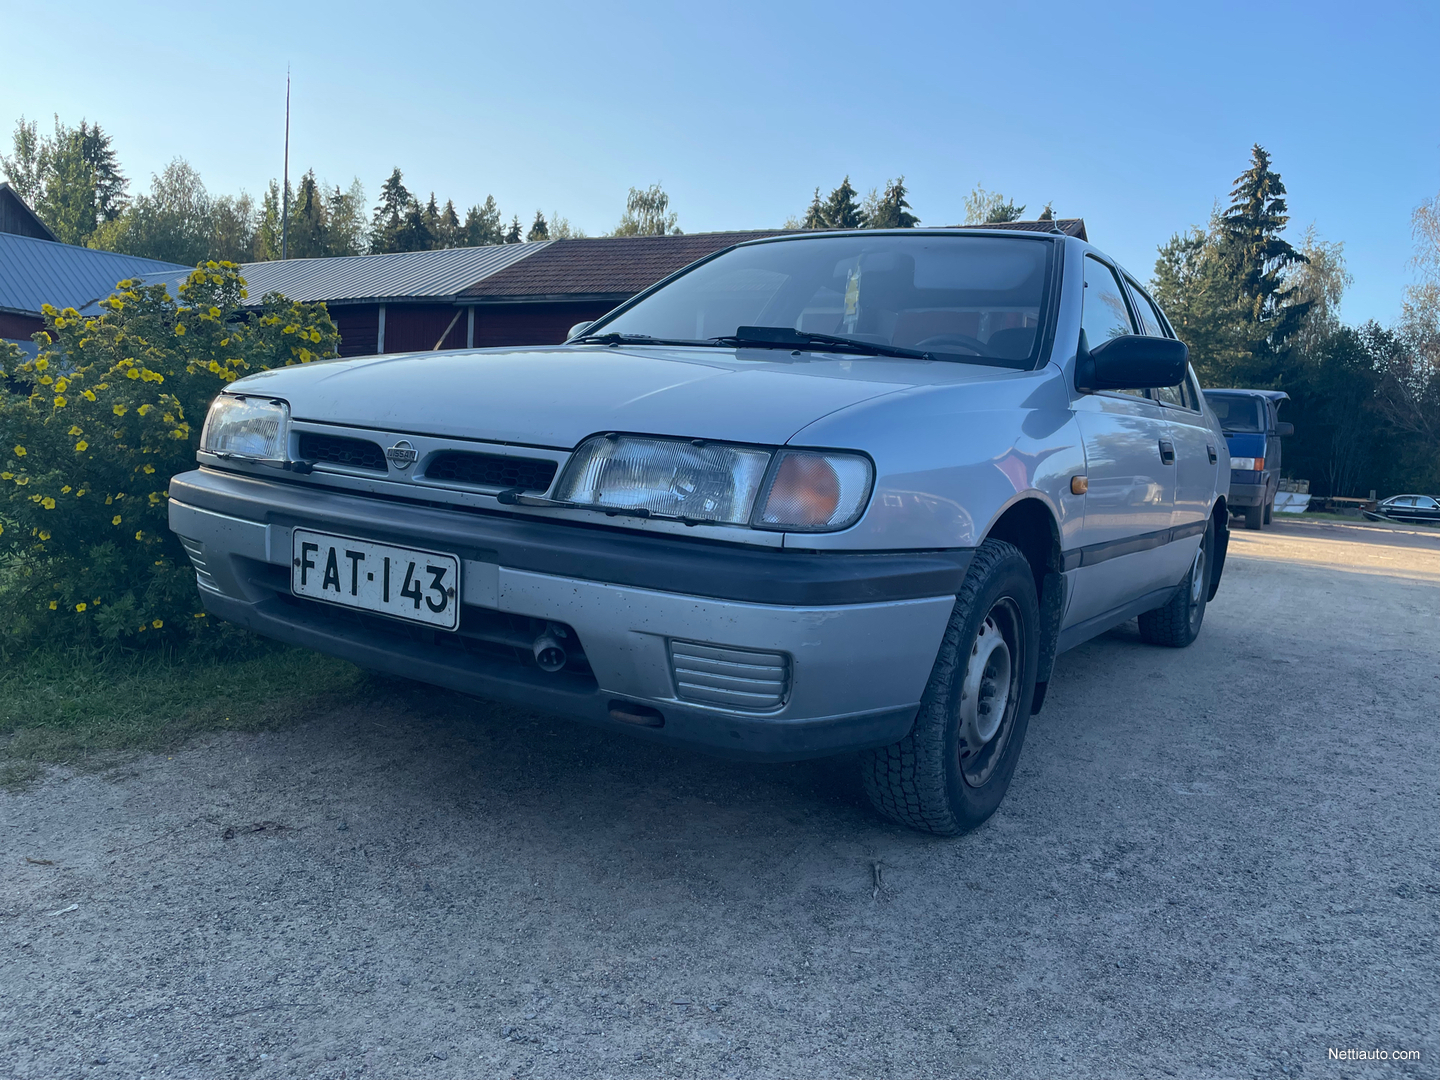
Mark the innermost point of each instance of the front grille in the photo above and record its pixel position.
(735, 678)
(196, 550)
(491, 470)
(339, 450)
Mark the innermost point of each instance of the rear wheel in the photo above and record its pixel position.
(953, 769)
(1177, 624)
(1254, 517)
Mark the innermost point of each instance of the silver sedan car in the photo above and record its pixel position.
(817, 493)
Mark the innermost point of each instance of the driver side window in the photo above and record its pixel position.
(1103, 314)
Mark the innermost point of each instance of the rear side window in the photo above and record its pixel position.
(1150, 324)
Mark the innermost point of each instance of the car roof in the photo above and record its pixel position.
(809, 234)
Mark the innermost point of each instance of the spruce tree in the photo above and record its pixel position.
(448, 233)
(892, 211)
(414, 234)
(513, 235)
(1258, 259)
(390, 214)
(815, 216)
(309, 227)
(430, 215)
(483, 226)
(539, 230)
(841, 211)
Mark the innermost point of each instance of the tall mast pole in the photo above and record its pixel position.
(285, 195)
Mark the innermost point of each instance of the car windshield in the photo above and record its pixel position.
(972, 299)
(1237, 412)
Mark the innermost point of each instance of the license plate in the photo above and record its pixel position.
(404, 583)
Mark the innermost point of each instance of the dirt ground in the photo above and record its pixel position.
(1216, 862)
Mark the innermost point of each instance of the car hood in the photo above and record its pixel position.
(555, 397)
(1245, 443)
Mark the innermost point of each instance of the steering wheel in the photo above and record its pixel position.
(964, 341)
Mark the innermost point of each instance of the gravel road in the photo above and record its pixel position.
(1218, 862)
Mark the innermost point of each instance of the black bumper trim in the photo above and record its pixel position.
(691, 567)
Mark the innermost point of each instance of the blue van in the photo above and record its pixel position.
(1253, 430)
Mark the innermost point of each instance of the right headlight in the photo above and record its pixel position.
(255, 428)
(699, 481)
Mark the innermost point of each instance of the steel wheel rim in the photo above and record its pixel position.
(989, 692)
(1197, 576)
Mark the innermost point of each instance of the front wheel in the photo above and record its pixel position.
(1177, 624)
(953, 769)
(1254, 517)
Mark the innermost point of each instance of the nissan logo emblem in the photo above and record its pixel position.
(402, 455)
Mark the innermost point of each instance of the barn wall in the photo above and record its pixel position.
(358, 325)
(20, 327)
(530, 324)
(416, 327)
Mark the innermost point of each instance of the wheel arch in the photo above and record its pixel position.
(1030, 525)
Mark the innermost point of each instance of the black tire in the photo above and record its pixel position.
(1178, 623)
(932, 779)
(1269, 511)
(1254, 517)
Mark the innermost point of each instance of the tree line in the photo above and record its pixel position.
(1259, 312)
(1256, 309)
(73, 180)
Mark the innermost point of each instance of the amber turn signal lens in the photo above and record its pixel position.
(1079, 485)
(806, 491)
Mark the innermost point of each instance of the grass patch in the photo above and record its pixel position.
(70, 708)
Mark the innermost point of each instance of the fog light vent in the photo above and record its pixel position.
(196, 550)
(734, 678)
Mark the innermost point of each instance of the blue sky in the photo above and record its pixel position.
(1135, 116)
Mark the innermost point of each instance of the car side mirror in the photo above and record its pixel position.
(578, 329)
(1284, 430)
(1131, 362)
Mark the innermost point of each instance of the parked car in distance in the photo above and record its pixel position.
(832, 492)
(1421, 508)
(1253, 430)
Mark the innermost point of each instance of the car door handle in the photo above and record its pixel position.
(1209, 449)
(1167, 452)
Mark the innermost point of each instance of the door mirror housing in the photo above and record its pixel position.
(1284, 430)
(1131, 362)
(578, 329)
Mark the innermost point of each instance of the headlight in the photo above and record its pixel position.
(247, 427)
(814, 491)
(785, 490)
(1247, 464)
(698, 481)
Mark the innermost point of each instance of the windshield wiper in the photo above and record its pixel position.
(778, 337)
(632, 339)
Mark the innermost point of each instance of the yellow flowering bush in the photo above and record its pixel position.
(92, 429)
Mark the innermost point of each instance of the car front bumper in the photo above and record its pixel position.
(1248, 494)
(859, 633)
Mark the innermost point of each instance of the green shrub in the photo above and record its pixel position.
(94, 428)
